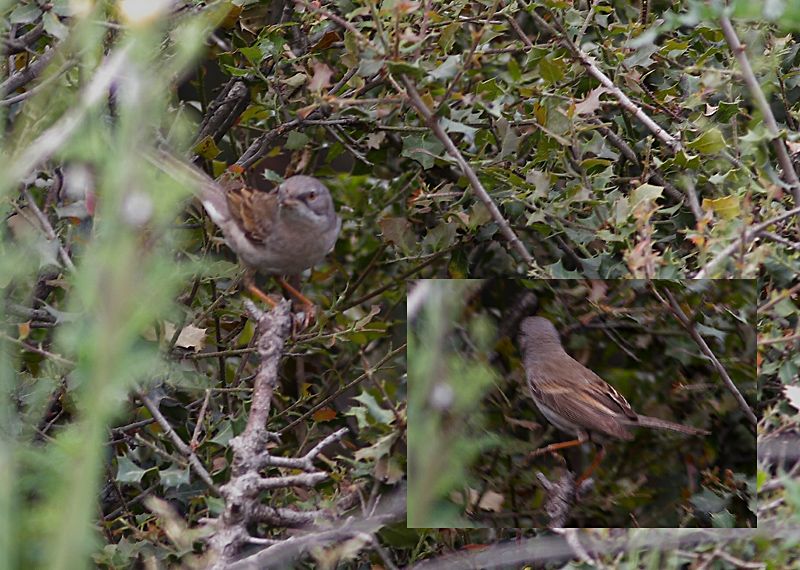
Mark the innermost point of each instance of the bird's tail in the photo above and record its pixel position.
(650, 422)
(210, 192)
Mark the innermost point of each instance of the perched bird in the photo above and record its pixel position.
(575, 399)
(281, 232)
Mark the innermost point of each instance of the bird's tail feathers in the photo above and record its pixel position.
(650, 422)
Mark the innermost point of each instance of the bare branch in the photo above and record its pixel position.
(243, 503)
(779, 340)
(746, 237)
(542, 550)
(672, 142)
(789, 174)
(701, 343)
(477, 187)
(25, 76)
(23, 42)
(562, 496)
(48, 229)
(194, 462)
(286, 517)
(282, 555)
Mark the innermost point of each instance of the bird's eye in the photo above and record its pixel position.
(312, 195)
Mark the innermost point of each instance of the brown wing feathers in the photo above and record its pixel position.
(250, 208)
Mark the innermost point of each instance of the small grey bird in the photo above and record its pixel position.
(575, 399)
(281, 232)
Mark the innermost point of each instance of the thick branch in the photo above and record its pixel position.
(282, 555)
(25, 76)
(23, 42)
(243, 493)
(286, 517)
(223, 111)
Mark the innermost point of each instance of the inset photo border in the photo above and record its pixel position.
(582, 403)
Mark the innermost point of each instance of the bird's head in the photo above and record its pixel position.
(306, 199)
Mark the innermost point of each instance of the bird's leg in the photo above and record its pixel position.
(308, 306)
(556, 446)
(250, 285)
(597, 459)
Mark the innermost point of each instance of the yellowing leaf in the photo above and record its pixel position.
(207, 148)
(727, 207)
(23, 330)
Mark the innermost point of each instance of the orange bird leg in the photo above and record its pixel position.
(556, 446)
(597, 459)
(250, 285)
(294, 292)
(308, 306)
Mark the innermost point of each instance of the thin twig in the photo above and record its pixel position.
(48, 229)
(37, 350)
(781, 240)
(341, 22)
(778, 298)
(196, 434)
(194, 462)
(38, 87)
(672, 142)
(746, 237)
(467, 170)
(343, 389)
(779, 340)
(701, 343)
(760, 100)
(476, 40)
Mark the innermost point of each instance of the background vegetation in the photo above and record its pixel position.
(587, 139)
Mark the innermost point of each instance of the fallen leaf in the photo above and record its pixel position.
(491, 501)
(591, 103)
(793, 395)
(324, 415)
(321, 78)
(192, 337)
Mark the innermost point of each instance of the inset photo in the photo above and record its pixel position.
(582, 403)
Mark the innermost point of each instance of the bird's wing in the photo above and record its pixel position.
(585, 400)
(252, 210)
